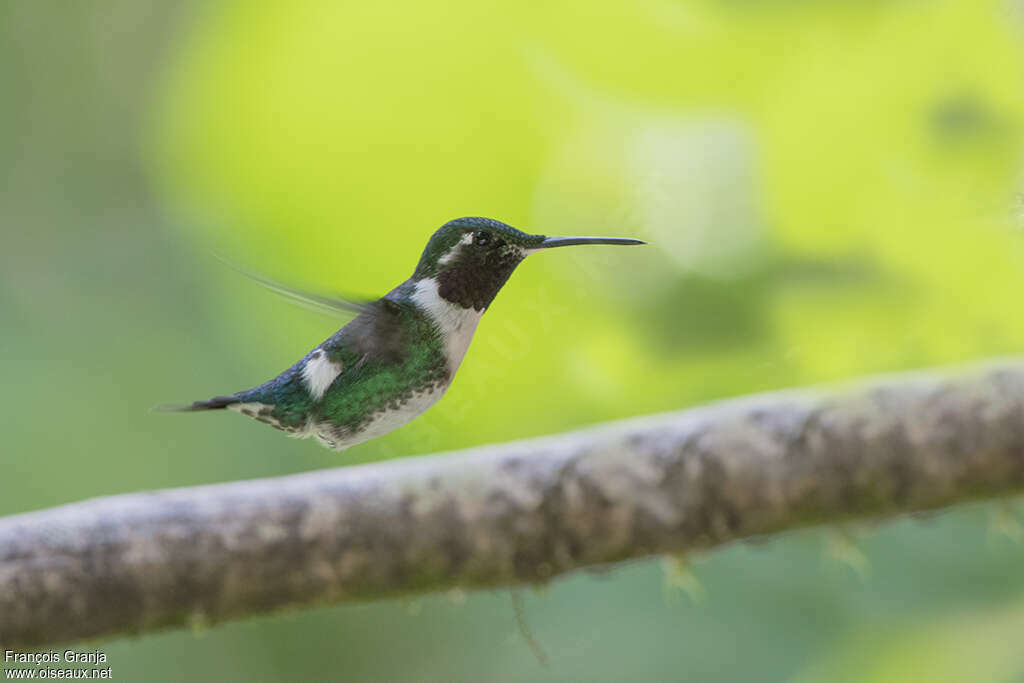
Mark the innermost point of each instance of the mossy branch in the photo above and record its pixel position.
(514, 513)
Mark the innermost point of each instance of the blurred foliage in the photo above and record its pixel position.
(828, 189)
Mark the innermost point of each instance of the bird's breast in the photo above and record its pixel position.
(455, 323)
(383, 421)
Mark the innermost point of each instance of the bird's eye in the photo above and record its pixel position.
(482, 238)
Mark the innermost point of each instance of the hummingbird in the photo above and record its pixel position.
(398, 355)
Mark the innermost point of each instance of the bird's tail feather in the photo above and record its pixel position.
(215, 403)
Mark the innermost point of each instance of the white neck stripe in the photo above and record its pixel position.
(456, 324)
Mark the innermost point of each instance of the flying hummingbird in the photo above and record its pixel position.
(398, 355)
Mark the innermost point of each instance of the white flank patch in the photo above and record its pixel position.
(319, 373)
(465, 239)
(457, 324)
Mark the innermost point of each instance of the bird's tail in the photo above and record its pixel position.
(215, 403)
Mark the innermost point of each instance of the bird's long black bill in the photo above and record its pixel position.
(550, 242)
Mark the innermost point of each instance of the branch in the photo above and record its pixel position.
(515, 513)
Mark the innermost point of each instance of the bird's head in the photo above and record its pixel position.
(472, 258)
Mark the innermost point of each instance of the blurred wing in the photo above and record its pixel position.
(328, 305)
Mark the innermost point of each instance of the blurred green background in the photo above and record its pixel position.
(829, 189)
